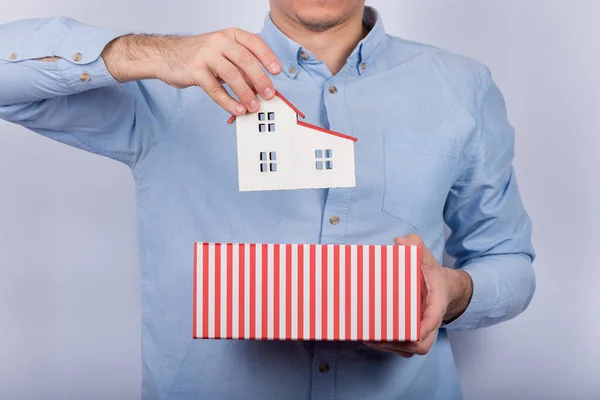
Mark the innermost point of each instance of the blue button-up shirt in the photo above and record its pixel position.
(434, 148)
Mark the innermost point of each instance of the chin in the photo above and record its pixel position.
(321, 15)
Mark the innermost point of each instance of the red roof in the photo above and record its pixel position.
(318, 128)
(304, 124)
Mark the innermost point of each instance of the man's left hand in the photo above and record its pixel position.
(445, 295)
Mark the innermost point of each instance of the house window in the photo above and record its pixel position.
(324, 159)
(266, 127)
(268, 161)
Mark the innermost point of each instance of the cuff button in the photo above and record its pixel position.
(77, 57)
(13, 56)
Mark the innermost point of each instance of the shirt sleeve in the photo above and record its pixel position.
(75, 99)
(490, 229)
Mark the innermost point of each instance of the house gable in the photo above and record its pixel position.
(233, 118)
(276, 151)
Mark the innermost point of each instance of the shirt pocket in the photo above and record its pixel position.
(419, 172)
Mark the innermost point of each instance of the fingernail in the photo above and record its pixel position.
(239, 109)
(254, 105)
(275, 67)
(268, 92)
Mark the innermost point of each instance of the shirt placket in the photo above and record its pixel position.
(324, 370)
(337, 205)
(335, 219)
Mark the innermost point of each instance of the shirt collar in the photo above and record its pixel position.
(291, 53)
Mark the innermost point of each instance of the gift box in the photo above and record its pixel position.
(306, 292)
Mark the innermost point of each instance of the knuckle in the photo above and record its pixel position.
(269, 56)
(250, 38)
(229, 74)
(214, 35)
(228, 32)
(228, 102)
(215, 91)
(220, 37)
(247, 94)
(262, 80)
(415, 238)
(238, 35)
(245, 58)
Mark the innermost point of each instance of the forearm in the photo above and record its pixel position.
(133, 57)
(136, 57)
(58, 85)
(460, 288)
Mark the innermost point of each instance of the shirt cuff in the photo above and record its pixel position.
(78, 46)
(85, 77)
(503, 286)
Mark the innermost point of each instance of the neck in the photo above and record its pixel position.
(333, 46)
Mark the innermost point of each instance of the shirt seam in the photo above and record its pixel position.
(142, 160)
(483, 88)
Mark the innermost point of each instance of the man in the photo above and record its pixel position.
(434, 146)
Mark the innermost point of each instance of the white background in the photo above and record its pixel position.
(69, 297)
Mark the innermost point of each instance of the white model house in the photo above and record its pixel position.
(276, 151)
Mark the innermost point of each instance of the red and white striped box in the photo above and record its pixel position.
(306, 292)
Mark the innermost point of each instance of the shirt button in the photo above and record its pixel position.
(292, 70)
(13, 56)
(332, 89)
(363, 66)
(334, 220)
(77, 57)
(84, 77)
(324, 367)
(303, 55)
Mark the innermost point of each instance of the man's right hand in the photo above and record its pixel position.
(230, 56)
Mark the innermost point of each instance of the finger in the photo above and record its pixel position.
(222, 82)
(233, 77)
(432, 317)
(378, 346)
(389, 348)
(243, 59)
(424, 346)
(421, 348)
(404, 349)
(416, 240)
(409, 240)
(209, 83)
(403, 353)
(260, 49)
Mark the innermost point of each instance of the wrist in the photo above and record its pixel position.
(460, 291)
(135, 57)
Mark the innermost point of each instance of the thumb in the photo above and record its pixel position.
(409, 240)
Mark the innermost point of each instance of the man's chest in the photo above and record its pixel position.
(406, 159)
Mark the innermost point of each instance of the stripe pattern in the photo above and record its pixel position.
(306, 292)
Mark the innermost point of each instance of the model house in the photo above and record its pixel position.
(277, 151)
